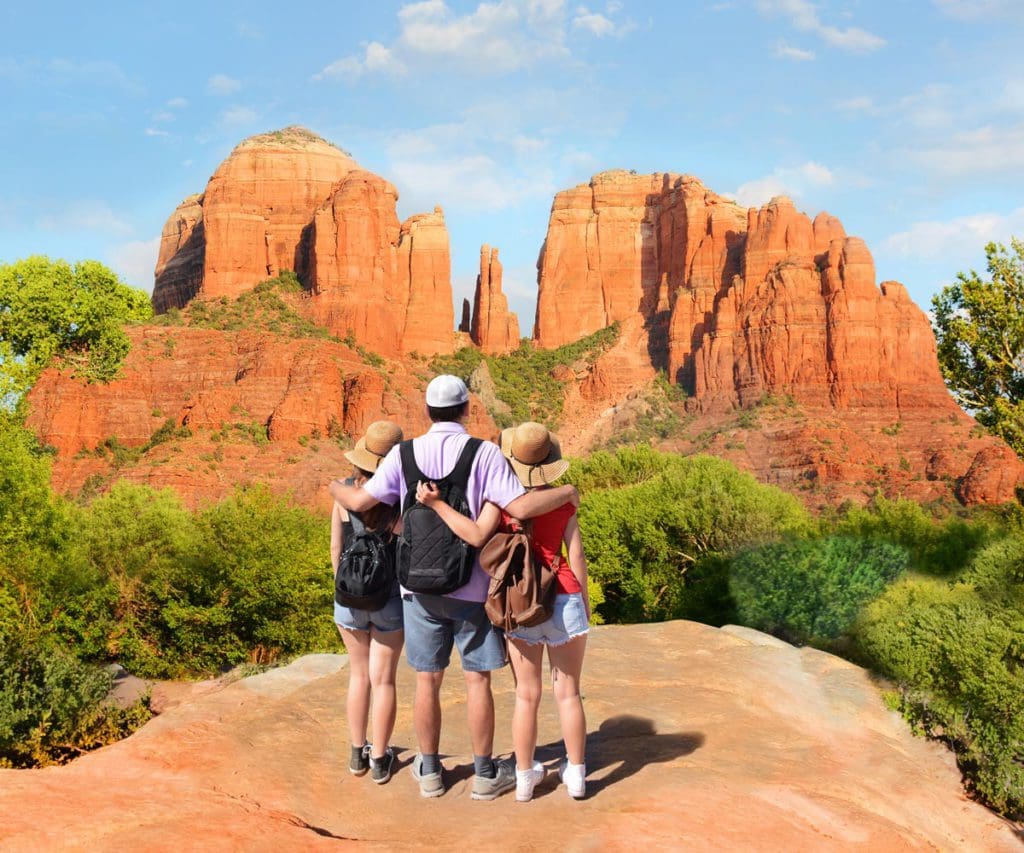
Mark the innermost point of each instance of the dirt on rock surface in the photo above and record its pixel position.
(700, 739)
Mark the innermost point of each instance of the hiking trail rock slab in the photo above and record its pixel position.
(700, 739)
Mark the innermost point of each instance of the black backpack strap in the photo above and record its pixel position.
(358, 528)
(410, 470)
(460, 473)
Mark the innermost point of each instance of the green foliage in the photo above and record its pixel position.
(979, 327)
(523, 378)
(957, 650)
(264, 308)
(660, 418)
(656, 547)
(52, 706)
(934, 547)
(49, 309)
(811, 591)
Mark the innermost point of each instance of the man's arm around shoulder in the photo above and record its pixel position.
(541, 501)
(354, 498)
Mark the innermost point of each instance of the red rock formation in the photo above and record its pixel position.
(290, 200)
(424, 268)
(465, 323)
(494, 328)
(992, 477)
(179, 267)
(260, 409)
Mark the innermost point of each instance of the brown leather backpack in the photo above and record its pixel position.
(522, 590)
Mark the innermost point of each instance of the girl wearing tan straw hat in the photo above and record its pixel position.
(373, 639)
(536, 457)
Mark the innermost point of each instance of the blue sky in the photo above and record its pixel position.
(905, 118)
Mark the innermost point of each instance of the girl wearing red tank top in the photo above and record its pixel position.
(536, 457)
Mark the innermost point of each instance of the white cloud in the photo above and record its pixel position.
(790, 181)
(135, 261)
(177, 103)
(496, 37)
(803, 15)
(221, 84)
(785, 51)
(859, 104)
(86, 215)
(152, 131)
(376, 59)
(986, 150)
(593, 22)
(962, 237)
(970, 10)
(238, 116)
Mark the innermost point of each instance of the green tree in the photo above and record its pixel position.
(49, 309)
(979, 325)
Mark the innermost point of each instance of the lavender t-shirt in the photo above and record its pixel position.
(490, 479)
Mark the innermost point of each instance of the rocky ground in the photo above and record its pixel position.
(700, 739)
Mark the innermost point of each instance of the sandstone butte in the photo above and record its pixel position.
(797, 366)
(494, 329)
(699, 739)
(289, 200)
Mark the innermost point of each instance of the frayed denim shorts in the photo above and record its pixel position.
(388, 618)
(567, 622)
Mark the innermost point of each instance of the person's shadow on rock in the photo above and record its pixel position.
(630, 743)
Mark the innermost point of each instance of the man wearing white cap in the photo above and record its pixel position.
(434, 623)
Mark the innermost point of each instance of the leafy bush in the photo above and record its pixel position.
(811, 591)
(523, 378)
(656, 547)
(50, 309)
(935, 547)
(52, 706)
(956, 648)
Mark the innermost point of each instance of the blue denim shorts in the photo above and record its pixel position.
(567, 622)
(388, 618)
(433, 623)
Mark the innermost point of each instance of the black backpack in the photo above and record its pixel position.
(431, 558)
(366, 570)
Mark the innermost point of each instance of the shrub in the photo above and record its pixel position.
(956, 649)
(656, 546)
(52, 707)
(811, 591)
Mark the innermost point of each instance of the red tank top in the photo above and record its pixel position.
(547, 532)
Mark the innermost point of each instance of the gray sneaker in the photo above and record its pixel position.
(431, 784)
(504, 780)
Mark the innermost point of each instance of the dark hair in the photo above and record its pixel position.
(447, 413)
(379, 517)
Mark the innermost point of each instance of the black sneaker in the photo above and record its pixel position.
(359, 761)
(380, 768)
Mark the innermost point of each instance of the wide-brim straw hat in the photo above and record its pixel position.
(380, 437)
(535, 454)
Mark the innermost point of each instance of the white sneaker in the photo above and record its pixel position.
(527, 780)
(575, 778)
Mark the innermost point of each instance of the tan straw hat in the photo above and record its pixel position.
(380, 437)
(535, 454)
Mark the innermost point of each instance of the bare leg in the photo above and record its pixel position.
(566, 666)
(357, 644)
(426, 711)
(528, 666)
(385, 650)
(480, 712)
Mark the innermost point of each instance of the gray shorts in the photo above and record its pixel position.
(385, 620)
(568, 621)
(433, 623)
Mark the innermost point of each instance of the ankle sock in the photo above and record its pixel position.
(430, 763)
(484, 766)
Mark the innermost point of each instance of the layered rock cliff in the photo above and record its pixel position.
(494, 328)
(288, 200)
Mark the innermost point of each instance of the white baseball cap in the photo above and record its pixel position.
(446, 390)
